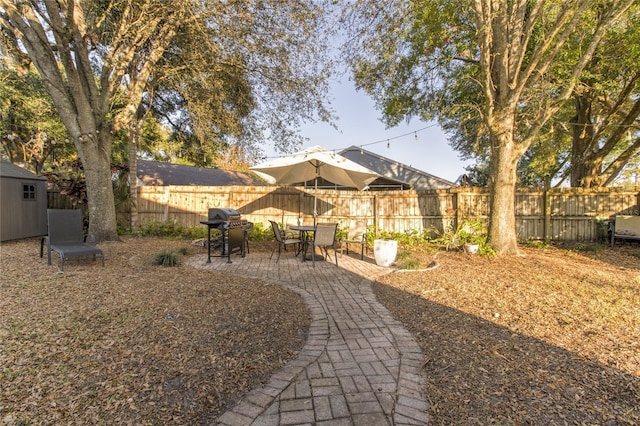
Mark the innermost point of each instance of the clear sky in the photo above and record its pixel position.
(359, 124)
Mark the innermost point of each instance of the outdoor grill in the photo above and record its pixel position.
(229, 218)
(234, 231)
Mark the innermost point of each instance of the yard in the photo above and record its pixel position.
(552, 337)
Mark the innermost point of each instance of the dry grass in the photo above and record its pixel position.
(549, 338)
(134, 343)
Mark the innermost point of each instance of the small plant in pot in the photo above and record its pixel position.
(471, 247)
(472, 236)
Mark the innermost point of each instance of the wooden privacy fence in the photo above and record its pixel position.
(55, 200)
(566, 214)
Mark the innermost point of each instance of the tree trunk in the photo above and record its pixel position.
(502, 216)
(585, 162)
(133, 175)
(95, 155)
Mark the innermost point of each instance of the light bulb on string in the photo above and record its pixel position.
(388, 144)
(416, 135)
(361, 151)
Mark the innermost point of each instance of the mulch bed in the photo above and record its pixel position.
(548, 338)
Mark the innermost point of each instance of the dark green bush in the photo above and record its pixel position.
(410, 264)
(167, 258)
(184, 251)
(260, 233)
(171, 229)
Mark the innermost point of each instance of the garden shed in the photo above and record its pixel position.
(23, 206)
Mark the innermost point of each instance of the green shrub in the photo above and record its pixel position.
(538, 244)
(587, 248)
(410, 264)
(195, 232)
(184, 251)
(469, 231)
(167, 258)
(408, 238)
(403, 255)
(486, 250)
(161, 229)
(260, 233)
(171, 229)
(404, 261)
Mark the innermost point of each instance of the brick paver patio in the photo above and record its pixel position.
(359, 366)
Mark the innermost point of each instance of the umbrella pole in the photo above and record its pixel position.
(315, 200)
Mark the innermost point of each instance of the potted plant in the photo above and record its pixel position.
(470, 235)
(473, 236)
(471, 247)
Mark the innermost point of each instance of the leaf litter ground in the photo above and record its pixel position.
(552, 337)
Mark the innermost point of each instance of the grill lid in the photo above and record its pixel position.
(223, 214)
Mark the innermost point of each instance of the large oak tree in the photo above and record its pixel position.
(99, 60)
(409, 54)
(605, 125)
(86, 52)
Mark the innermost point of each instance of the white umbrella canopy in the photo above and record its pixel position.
(313, 163)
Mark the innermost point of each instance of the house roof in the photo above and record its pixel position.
(395, 171)
(10, 170)
(153, 173)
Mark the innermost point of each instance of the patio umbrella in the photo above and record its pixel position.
(313, 163)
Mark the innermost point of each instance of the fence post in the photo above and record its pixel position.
(167, 193)
(375, 215)
(455, 203)
(546, 202)
(300, 204)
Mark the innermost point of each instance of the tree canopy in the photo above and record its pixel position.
(497, 72)
(224, 72)
(31, 130)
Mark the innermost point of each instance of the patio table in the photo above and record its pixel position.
(305, 236)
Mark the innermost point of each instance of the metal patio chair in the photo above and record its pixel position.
(66, 238)
(323, 238)
(282, 241)
(356, 235)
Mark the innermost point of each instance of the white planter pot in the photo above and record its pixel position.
(471, 248)
(385, 251)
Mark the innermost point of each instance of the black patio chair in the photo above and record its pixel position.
(282, 241)
(66, 238)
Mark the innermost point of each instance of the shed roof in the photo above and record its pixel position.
(10, 170)
(415, 178)
(154, 173)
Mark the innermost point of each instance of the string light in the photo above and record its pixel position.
(388, 140)
(415, 134)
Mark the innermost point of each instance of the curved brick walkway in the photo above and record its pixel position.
(359, 366)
